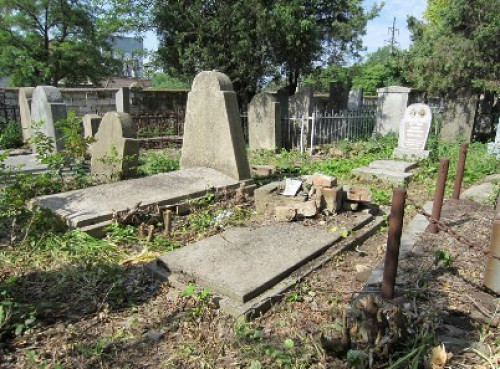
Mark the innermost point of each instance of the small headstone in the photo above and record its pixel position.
(414, 132)
(115, 152)
(391, 104)
(123, 100)
(494, 147)
(25, 95)
(264, 122)
(213, 136)
(91, 124)
(47, 107)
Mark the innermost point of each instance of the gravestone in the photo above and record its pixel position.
(391, 105)
(25, 95)
(91, 124)
(115, 152)
(494, 147)
(300, 103)
(338, 96)
(414, 132)
(213, 136)
(355, 100)
(264, 122)
(47, 107)
(123, 100)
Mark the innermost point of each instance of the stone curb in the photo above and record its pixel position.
(410, 234)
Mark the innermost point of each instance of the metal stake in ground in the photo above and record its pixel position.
(393, 242)
(460, 171)
(439, 194)
(492, 275)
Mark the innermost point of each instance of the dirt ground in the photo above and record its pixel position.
(150, 325)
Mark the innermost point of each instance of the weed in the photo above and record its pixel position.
(442, 256)
(10, 134)
(153, 162)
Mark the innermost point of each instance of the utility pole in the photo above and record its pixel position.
(392, 32)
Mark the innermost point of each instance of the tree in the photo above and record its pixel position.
(253, 40)
(382, 68)
(50, 41)
(457, 47)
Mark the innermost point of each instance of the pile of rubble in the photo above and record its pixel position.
(307, 197)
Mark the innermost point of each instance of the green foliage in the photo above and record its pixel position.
(163, 80)
(250, 40)
(457, 48)
(53, 41)
(382, 68)
(11, 136)
(157, 162)
(442, 256)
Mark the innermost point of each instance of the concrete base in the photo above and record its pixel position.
(245, 267)
(402, 153)
(92, 208)
(393, 171)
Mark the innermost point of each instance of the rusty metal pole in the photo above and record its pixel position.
(439, 194)
(393, 242)
(460, 171)
(492, 275)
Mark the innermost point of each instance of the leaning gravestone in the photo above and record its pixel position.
(264, 122)
(414, 132)
(213, 136)
(47, 107)
(25, 95)
(115, 152)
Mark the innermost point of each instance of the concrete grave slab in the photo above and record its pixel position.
(213, 137)
(364, 226)
(393, 165)
(24, 163)
(385, 175)
(243, 262)
(91, 206)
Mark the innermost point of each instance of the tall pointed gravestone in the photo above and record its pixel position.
(213, 136)
(47, 107)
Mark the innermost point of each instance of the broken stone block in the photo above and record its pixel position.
(358, 194)
(268, 197)
(262, 170)
(307, 209)
(322, 180)
(332, 198)
(285, 213)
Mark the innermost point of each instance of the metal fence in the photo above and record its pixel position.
(326, 128)
(160, 125)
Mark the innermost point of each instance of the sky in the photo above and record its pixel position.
(377, 31)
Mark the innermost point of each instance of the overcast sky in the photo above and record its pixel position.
(377, 32)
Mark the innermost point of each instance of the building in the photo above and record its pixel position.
(130, 51)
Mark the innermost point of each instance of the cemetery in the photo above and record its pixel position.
(239, 241)
(264, 216)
